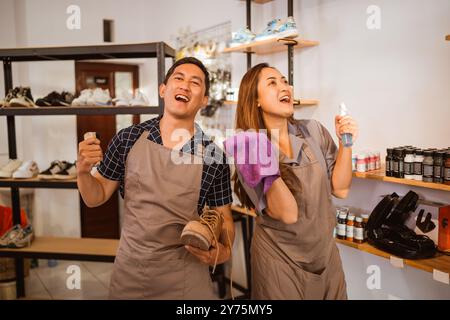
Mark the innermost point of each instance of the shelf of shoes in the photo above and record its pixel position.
(271, 45)
(78, 110)
(440, 262)
(38, 183)
(297, 102)
(84, 249)
(380, 175)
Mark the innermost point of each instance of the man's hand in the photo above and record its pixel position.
(209, 256)
(89, 153)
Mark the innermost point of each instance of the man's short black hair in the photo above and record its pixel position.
(190, 60)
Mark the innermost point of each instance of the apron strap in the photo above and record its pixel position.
(314, 145)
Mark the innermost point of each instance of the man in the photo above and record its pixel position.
(162, 194)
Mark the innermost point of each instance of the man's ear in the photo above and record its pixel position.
(162, 90)
(205, 102)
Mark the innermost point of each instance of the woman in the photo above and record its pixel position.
(293, 254)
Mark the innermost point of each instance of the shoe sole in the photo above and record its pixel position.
(194, 239)
(45, 177)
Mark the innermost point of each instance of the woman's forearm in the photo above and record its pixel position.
(341, 178)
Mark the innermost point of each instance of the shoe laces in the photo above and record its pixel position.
(211, 218)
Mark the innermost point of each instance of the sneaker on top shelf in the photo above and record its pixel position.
(55, 99)
(269, 31)
(287, 28)
(139, 99)
(12, 93)
(123, 99)
(27, 170)
(69, 171)
(83, 98)
(49, 173)
(99, 97)
(23, 99)
(240, 37)
(200, 234)
(8, 169)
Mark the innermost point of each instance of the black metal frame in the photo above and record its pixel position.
(158, 50)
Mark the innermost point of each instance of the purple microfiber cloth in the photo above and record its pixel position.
(255, 158)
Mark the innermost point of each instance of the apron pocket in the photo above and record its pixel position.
(163, 279)
(126, 279)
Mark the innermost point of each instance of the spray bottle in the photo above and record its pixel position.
(347, 138)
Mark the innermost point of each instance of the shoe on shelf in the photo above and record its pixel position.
(10, 235)
(99, 97)
(200, 234)
(55, 99)
(8, 169)
(83, 98)
(49, 173)
(68, 172)
(23, 99)
(27, 170)
(269, 32)
(12, 93)
(139, 99)
(287, 28)
(17, 237)
(123, 99)
(277, 29)
(240, 37)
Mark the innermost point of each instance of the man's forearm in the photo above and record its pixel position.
(342, 174)
(91, 190)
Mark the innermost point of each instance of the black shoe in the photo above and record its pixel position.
(47, 101)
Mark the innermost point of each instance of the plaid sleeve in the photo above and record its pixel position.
(112, 166)
(220, 194)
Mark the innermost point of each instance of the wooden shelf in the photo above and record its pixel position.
(303, 102)
(272, 45)
(88, 249)
(439, 262)
(381, 176)
(81, 110)
(103, 51)
(37, 183)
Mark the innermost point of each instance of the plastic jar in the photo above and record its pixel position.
(398, 163)
(365, 218)
(349, 227)
(371, 163)
(341, 226)
(358, 230)
(377, 160)
(428, 165)
(438, 165)
(447, 168)
(389, 162)
(353, 161)
(418, 165)
(408, 164)
(361, 162)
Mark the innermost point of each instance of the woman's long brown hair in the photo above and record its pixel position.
(249, 116)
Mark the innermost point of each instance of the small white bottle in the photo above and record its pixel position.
(347, 138)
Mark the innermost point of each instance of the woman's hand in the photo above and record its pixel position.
(209, 256)
(346, 124)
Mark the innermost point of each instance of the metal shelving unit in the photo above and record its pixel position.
(155, 50)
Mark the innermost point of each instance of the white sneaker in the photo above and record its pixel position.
(123, 99)
(28, 169)
(139, 99)
(7, 170)
(82, 99)
(99, 97)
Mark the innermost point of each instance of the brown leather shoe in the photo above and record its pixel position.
(200, 234)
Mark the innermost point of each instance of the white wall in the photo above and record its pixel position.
(395, 82)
